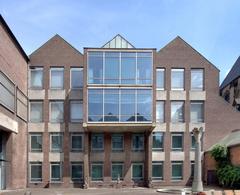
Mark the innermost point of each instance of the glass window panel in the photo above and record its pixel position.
(157, 171)
(177, 79)
(160, 111)
(193, 142)
(117, 142)
(7, 98)
(161, 79)
(97, 172)
(36, 172)
(36, 78)
(56, 113)
(56, 174)
(77, 142)
(57, 78)
(95, 67)
(112, 67)
(128, 68)
(177, 111)
(137, 171)
(138, 142)
(56, 142)
(76, 111)
(127, 105)
(111, 105)
(36, 112)
(177, 141)
(144, 70)
(95, 105)
(117, 171)
(77, 171)
(192, 168)
(197, 79)
(76, 78)
(157, 141)
(177, 170)
(197, 112)
(97, 141)
(144, 105)
(36, 142)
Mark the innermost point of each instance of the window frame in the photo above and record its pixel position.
(76, 179)
(183, 111)
(97, 164)
(178, 70)
(162, 135)
(164, 76)
(182, 136)
(71, 143)
(117, 149)
(30, 141)
(50, 111)
(50, 78)
(203, 79)
(163, 104)
(97, 149)
(29, 111)
(80, 69)
(61, 172)
(137, 178)
(158, 163)
(35, 68)
(61, 137)
(117, 163)
(177, 163)
(70, 106)
(30, 172)
(138, 149)
(203, 110)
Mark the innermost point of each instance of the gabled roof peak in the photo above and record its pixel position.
(118, 42)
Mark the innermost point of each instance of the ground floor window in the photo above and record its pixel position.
(56, 171)
(35, 171)
(177, 170)
(137, 171)
(117, 170)
(77, 171)
(97, 171)
(157, 170)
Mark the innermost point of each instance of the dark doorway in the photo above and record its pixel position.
(212, 177)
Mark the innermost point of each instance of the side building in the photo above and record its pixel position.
(13, 111)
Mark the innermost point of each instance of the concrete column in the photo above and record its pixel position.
(197, 185)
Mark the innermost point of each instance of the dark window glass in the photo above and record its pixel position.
(77, 142)
(36, 172)
(56, 172)
(177, 141)
(36, 142)
(97, 171)
(177, 170)
(157, 141)
(137, 171)
(117, 171)
(97, 141)
(138, 142)
(117, 142)
(77, 171)
(157, 170)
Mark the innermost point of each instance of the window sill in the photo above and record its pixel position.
(56, 182)
(157, 150)
(35, 182)
(77, 151)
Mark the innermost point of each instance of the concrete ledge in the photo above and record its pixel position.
(97, 156)
(56, 127)
(8, 123)
(177, 127)
(177, 95)
(177, 156)
(198, 125)
(197, 95)
(35, 156)
(35, 127)
(56, 157)
(76, 94)
(162, 127)
(36, 94)
(118, 156)
(76, 156)
(138, 156)
(158, 156)
(75, 127)
(56, 94)
(161, 95)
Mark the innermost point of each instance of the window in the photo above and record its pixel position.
(197, 79)
(128, 105)
(128, 68)
(112, 67)
(177, 141)
(144, 68)
(197, 112)
(160, 79)
(76, 78)
(177, 170)
(177, 111)
(35, 171)
(56, 140)
(137, 142)
(97, 141)
(95, 105)
(144, 105)
(57, 78)
(157, 141)
(76, 171)
(137, 171)
(36, 142)
(117, 170)
(76, 142)
(177, 79)
(97, 171)
(157, 170)
(95, 67)
(36, 111)
(193, 142)
(192, 169)
(160, 111)
(76, 111)
(117, 142)
(56, 172)
(56, 112)
(36, 78)
(111, 105)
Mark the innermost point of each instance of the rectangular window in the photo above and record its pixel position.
(36, 111)
(177, 79)
(138, 142)
(177, 141)
(193, 142)
(76, 111)
(177, 170)
(76, 142)
(36, 78)
(157, 170)
(76, 78)
(157, 138)
(56, 172)
(144, 68)
(128, 105)
(35, 171)
(97, 171)
(97, 140)
(117, 142)
(137, 171)
(160, 111)
(160, 79)
(76, 171)
(36, 142)
(117, 170)
(177, 111)
(95, 105)
(56, 140)
(95, 67)
(112, 67)
(128, 68)
(144, 105)
(111, 105)
(56, 78)
(197, 109)
(56, 111)
(197, 79)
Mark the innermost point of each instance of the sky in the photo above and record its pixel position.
(212, 27)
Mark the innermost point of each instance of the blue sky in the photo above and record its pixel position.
(210, 26)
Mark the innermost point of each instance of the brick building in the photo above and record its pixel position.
(119, 115)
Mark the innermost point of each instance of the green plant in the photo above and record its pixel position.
(220, 153)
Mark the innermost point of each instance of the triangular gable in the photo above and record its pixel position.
(118, 42)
